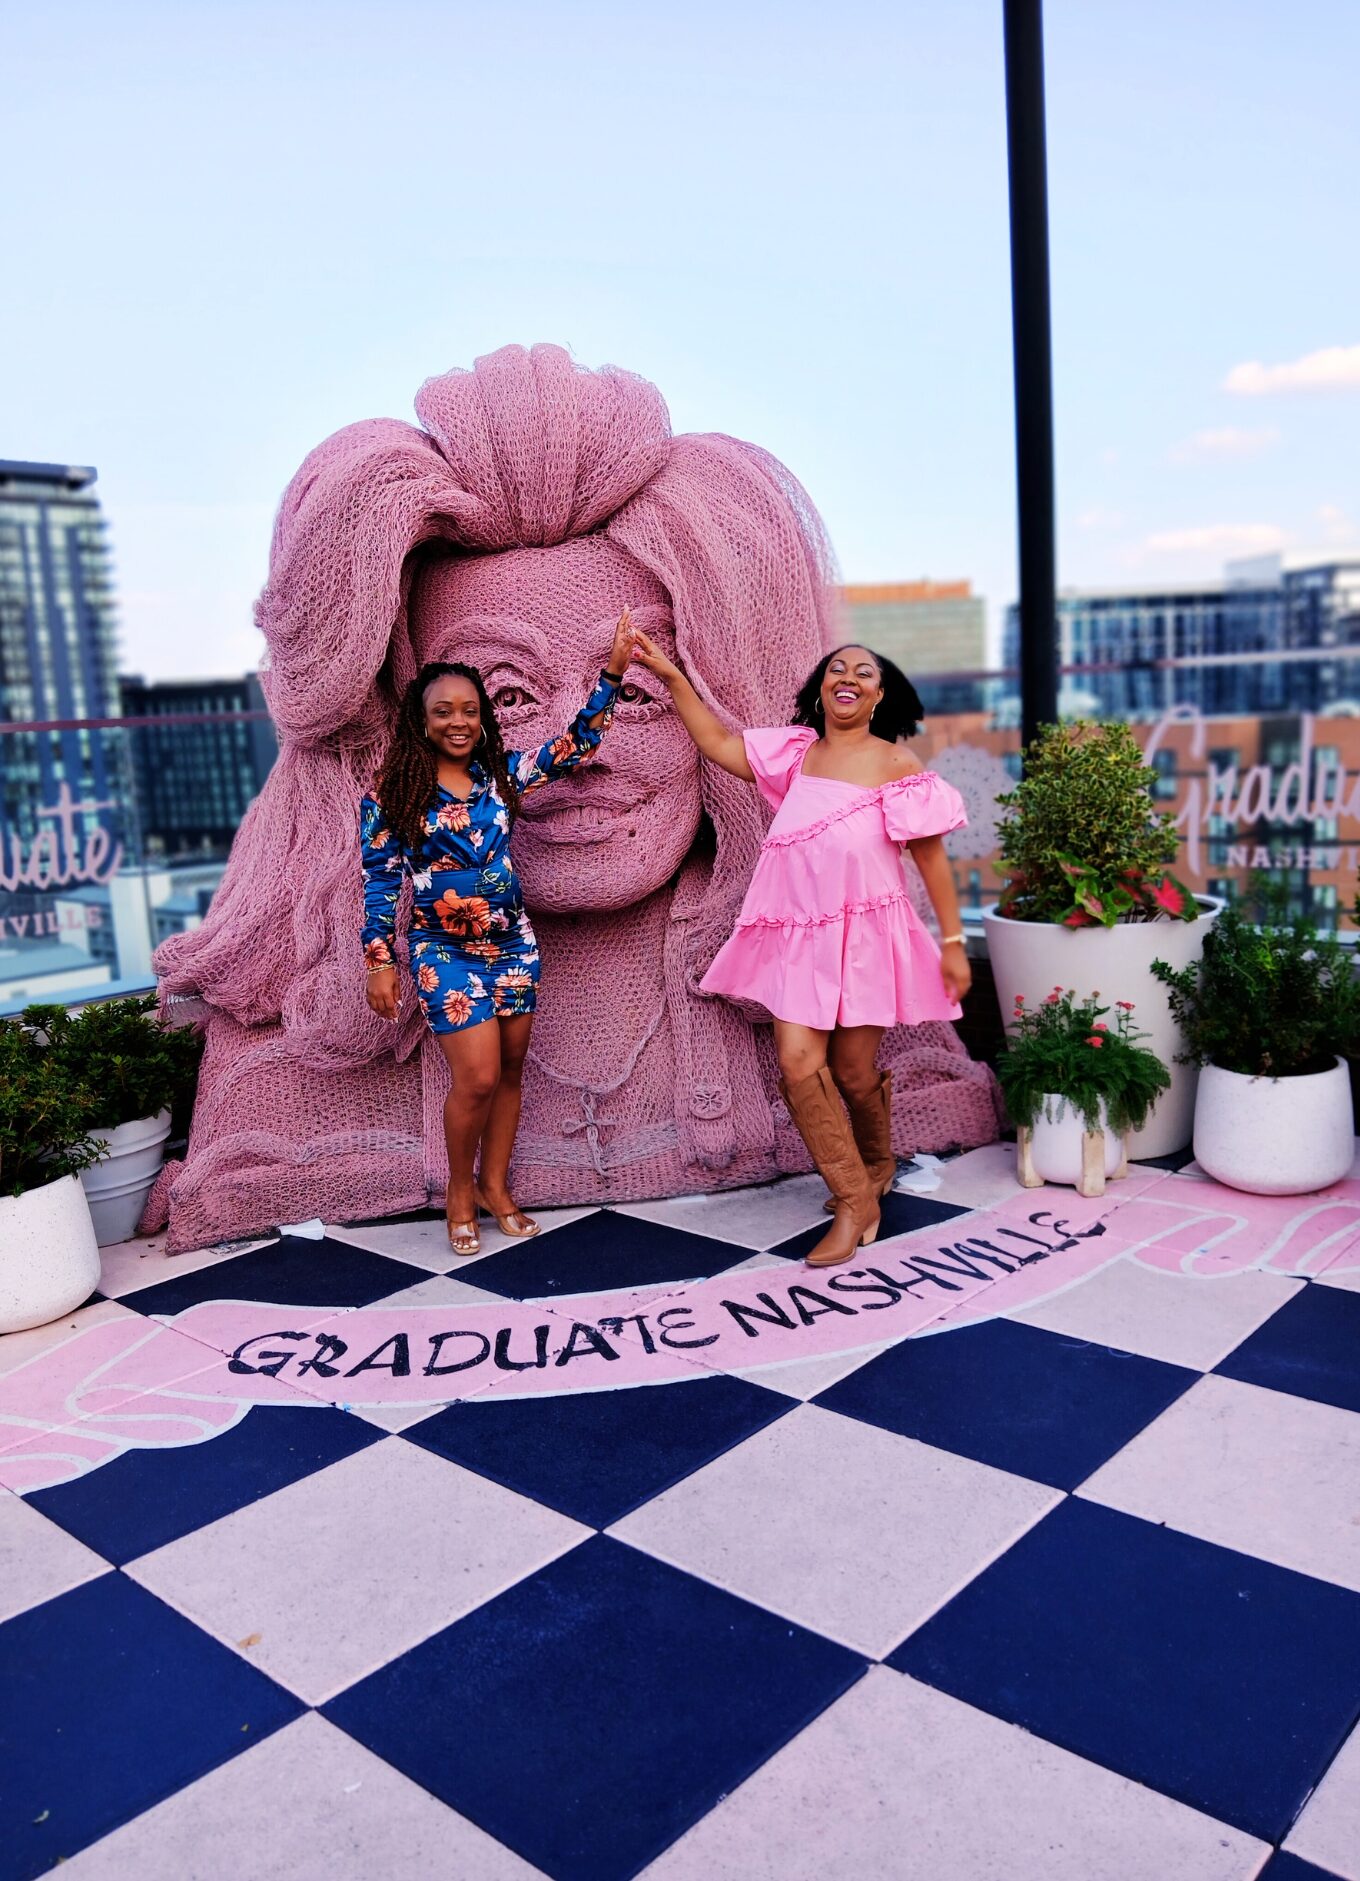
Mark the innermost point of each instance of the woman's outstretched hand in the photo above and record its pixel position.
(621, 653)
(647, 653)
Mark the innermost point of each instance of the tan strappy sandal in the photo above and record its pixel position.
(465, 1237)
(526, 1232)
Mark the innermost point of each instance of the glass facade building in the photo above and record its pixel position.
(199, 763)
(58, 641)
(1274, 636)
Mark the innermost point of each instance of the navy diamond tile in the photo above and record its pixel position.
(1310, 1348)
(291, 1271)
(898, 1214)
(109, 1702)
(1036, 1403)
(146, 1498)
(1223, 1681)
(588, 1716)
(601, 1251)
(597, 1454)
(1283, 1866)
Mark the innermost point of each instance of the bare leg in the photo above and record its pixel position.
(474, 1061)
(801, 1050)
(853, 1057)
(498, 1136)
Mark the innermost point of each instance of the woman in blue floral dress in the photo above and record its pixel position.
(441, 813)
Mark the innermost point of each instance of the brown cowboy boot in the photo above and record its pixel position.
(815, 1105)
(871, 1121)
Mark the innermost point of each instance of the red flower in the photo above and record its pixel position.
(1099, 1025)
(1124, 1005)
(463, 914)
(1053, 999)
(1168, 896)
(1095, 1039)
(1079, 918)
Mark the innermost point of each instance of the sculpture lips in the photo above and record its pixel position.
(578, 822)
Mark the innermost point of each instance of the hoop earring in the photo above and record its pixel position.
(818, 708)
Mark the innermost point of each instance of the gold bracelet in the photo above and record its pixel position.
(951, 939)
(388, 966)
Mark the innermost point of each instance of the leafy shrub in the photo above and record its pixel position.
(133, 1063)
(1278, 1001)
(1084, 844)
(1066, 1048)
(46, 1113)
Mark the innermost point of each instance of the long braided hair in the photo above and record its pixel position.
(409, 773)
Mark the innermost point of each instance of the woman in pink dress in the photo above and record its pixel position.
(827, 941)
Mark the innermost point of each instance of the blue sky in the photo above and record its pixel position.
(239, 227)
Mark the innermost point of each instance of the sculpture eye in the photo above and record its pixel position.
(634, 695)
(506, 698)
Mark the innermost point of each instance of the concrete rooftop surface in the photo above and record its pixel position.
(1026, 1547)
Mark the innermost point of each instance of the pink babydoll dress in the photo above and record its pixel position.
(827, 935)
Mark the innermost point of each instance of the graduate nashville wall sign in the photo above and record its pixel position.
(130, 1382)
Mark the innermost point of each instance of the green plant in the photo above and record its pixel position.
(133, 1063)
(1277, 1001)
(46, 1114)
(1084, 844)
(1065, 1047)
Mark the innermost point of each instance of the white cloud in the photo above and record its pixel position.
(1219, 539)
(1098, 518)
(1332, 369)
(1227, 441)
(1336, 524)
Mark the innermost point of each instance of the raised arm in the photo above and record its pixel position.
(723, 747)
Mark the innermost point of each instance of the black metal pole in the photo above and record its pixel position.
(1033, 363)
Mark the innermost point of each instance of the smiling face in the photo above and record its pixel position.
(851, 687)
(537, 624)
(453, 716)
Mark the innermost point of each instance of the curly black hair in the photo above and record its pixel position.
(898, 713)
(406, 780)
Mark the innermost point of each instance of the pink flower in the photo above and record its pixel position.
(1124, 1005)
(1099, 1025)
(1095, 1039)
(1053, 999)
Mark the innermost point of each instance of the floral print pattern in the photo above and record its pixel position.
(473, 952)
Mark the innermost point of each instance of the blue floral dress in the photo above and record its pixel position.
(473, 952)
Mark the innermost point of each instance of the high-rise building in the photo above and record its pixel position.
(933, 630)
(1267, 639)
(58, 642)
(199, 763)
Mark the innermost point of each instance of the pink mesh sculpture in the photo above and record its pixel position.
(534, 501)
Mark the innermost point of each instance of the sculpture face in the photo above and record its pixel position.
(537, 623)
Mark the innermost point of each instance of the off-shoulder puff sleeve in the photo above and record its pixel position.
(921, 805)
(774, 753)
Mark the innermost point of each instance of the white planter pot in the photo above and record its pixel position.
(49, 1261)
(1056, 1139)
(1274, 1136)
(117, 1188)
(1032, 957)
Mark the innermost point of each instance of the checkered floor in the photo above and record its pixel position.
(1073, 1595)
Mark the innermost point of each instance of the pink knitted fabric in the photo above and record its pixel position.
(389, 548)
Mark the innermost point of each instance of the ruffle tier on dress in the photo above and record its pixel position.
(827, 934)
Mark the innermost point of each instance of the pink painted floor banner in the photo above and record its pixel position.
(124, 1381)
